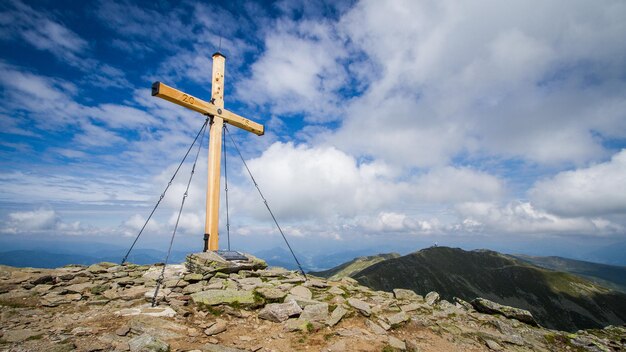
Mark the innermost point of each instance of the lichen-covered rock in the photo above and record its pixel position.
(193, 288)
(193, 277)
(217, 297)
(460, 302)
(432, 298)
(404, 294)
(271, 294)
(489, 307)
(297, 325)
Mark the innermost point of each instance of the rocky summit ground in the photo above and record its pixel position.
(105, 307)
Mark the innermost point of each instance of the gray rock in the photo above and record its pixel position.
(404, 294)
(362, 307)
(316, 283)
(53, 299)
(279, 312)
(349, 281)
(383, 324)
(493, 345)
(163, 292)
(160, 328)
(193, 288)
(336, 316)
(315, 312)
(271, 294)
(251, 282)
(302, 302)
(296, 325)
(412, 346)
(220, 348)
(432, 298)
(147, 310)
(19, 335)
(217, 297)
(193, 277)
(301, 292)
(397, 343)
(336, 291)
(415, 306)
(147, 343)
(375, 328)
(133, 293)
(275, 272)
(216, 328)
(123, 331)
(42, 289)
(79, 288)
(172, 272)
(96, 269)
(398, 318)
(489, 307)
(339, 346)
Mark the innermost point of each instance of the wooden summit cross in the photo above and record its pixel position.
(218, 115)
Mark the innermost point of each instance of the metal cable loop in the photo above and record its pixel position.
(180, 211)
(265, 202)
(163, 194)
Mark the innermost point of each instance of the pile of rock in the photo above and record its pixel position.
(210, 263)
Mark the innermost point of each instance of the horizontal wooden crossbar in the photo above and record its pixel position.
(175, 96)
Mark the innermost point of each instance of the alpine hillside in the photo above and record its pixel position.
(557, 300)
(611, 276)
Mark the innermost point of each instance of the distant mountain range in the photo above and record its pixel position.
(557, 299)
(610, 276)
(45, 259)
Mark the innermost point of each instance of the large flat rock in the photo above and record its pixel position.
(217, 297)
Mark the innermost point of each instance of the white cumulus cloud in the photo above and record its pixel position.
(599, 189)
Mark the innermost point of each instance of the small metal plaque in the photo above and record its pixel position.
(231, 255)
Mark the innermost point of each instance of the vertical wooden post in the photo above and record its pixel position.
(211, 236)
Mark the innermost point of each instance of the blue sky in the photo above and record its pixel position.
(487, 124)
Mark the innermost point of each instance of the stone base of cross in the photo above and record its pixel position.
(215, 109)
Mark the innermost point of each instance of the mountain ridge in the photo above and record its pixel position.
(611, 276)
(558, 300)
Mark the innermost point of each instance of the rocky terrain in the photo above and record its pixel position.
(558, 300)
(207, 304)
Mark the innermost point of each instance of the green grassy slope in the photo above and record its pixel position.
(558, 300)
(610, 276)
(354, 266)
